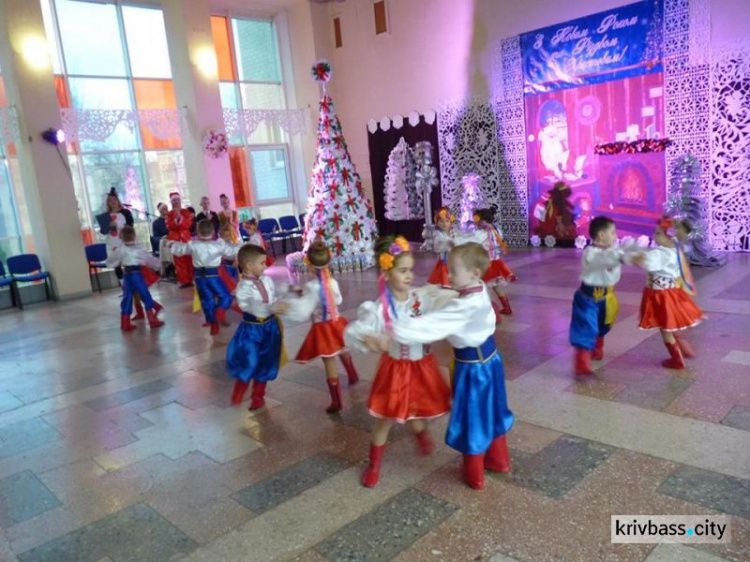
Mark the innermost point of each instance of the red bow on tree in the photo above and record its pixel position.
(345, 176)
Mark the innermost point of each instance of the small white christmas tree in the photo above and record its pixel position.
(337, 209)
(399, 174)
(471, 199)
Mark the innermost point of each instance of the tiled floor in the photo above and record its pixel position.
(121, 447)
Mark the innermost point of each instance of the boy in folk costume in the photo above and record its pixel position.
(132, 259)
(256, 351)
(667, 302)
(443, 241)
(408, 386)
(480, 417)
(207, 254)
(179, 222)
(320, 300)
(594, 304)
(255, 237)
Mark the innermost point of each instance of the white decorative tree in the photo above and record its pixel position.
(471, 199)
(399, 174)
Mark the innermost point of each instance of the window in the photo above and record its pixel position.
(250, 78)
(115, 57)
(381, 18)
(337, 40)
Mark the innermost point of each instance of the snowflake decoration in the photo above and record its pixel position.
(580, 242)
(536, 241)
(549, 241)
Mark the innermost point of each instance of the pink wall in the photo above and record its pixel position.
(442, 49)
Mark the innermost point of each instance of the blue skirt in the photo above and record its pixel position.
(480, 404)
(256, 349)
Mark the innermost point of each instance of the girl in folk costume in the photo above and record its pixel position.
(490, 237)
(667, 302)
(229, 216)
(320, 300)
(256, 351)
(443, 240)
(408, 386)
(255, 237)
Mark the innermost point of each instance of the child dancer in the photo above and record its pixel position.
(480, 417)
(320, 299)
(490, 237)
(228, 270)
(207, 254)
(594, 304)
(443, 240)
(256, 351)
(408, 386)
(132, 259)
(255, 237)
(667, 303)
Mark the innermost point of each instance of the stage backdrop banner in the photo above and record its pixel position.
(593, 81)
(618, 43)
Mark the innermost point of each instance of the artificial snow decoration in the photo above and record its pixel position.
(399, 175)
(471, 200)
(535, 241)
(214, 143)
(338, 211)
(549, 241)
(627, 241)
(580, 242)
(643, 241)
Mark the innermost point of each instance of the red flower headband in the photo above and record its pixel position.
(667, 226)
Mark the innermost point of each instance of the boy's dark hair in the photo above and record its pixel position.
(248, 252)
(251, 222)
(205, 228)
(485, 215)
(191, 209)
(127, 233)
(598, 225)
(318, 253)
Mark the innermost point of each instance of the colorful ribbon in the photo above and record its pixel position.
(326, 293)
(388, 305)
(685, 275)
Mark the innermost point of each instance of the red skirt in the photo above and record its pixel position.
(325, 339)
(499, 270)
(405, 390)
(669, 310)
(149, 275)
(439, 275)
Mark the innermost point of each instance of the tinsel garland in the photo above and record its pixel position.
(635, 147)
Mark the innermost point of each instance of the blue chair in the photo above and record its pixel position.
(26, 268)
(6, 281)
(96, 255)
(269, 229)
(291, 230)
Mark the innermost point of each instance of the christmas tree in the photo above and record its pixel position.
(471, 200)
(399, 174)
(337, 209)
(685, 201)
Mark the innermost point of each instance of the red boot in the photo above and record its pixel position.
(675, 361)
(157, 308)
(221, 316)
(125, 324)
(214, 328)
(497, 458)
(685, 348)
(598, 353)
(506, 305)
(256, 397)
(474, 471)
(138, 311)
(239, 392)
(371, 474)
(351, 372)
(424, 442)
(335, 389)
(153, 321)
(498, 312)
(583, 361)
